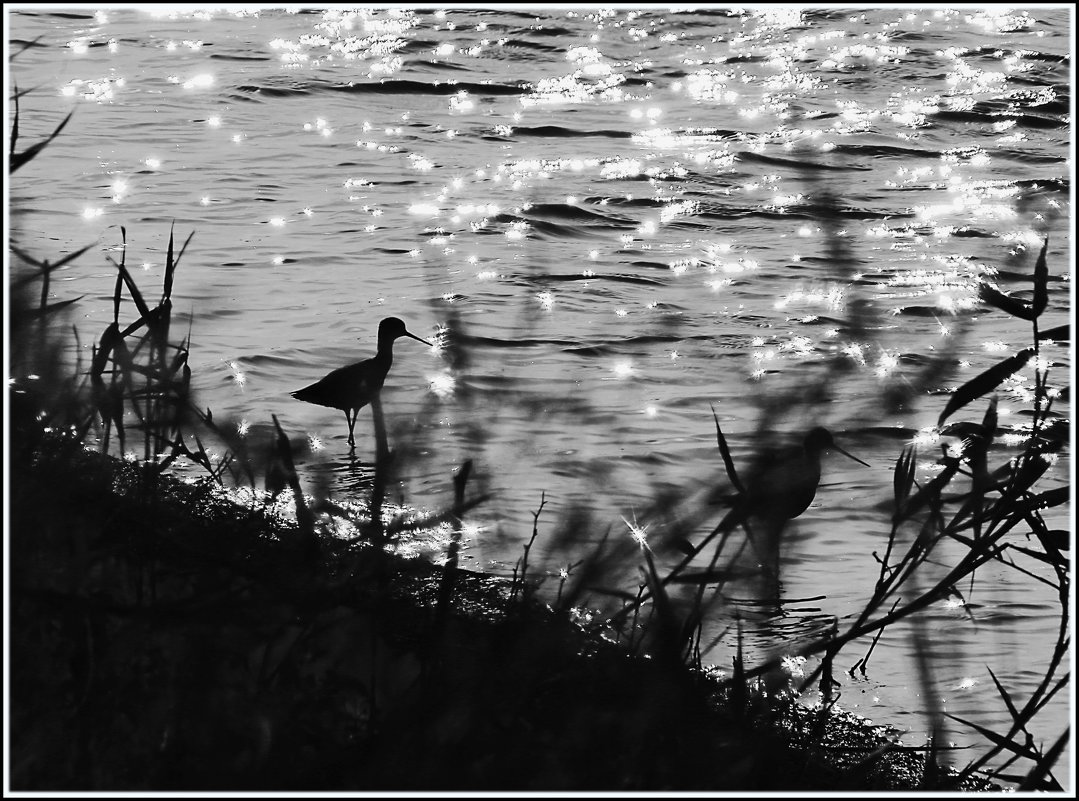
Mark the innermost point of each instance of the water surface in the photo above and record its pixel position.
(619, 215)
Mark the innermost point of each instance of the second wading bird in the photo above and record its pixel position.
(353, 387)
(779, 487)
(782, 486)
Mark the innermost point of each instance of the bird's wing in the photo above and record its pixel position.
(346, 387)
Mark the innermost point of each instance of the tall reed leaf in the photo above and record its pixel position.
(172, 263)
(136, 295)
(1015, 307)
(999, 740)
(1004, 694)
(170, 268)
(1049, 498)
(52, 307)
(985, 383)
(903, 478)
(1041, 282)
(1006, 303)
(726, 453)
(1053, 540)
(17, 160)
(1060, 333)
(930, 493)
(44, 266)
(1038, 778)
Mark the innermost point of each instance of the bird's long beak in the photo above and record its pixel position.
(849, 455)
(424, 341)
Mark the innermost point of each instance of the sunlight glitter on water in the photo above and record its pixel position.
(678, 137)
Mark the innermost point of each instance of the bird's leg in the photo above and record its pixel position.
(351, 420)
(764, 547)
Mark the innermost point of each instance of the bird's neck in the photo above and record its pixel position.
(385, 351)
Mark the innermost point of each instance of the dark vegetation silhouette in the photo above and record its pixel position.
(165, 636)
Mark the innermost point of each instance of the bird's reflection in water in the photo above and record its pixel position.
(349, 476)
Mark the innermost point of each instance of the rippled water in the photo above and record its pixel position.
(619, 215)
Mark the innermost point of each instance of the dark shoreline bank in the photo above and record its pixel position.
(165, 638)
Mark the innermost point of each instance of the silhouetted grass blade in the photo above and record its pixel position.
(1061, 333)
(53, 307)
(726, 453)
(1057, 538)
(984, 383)
(1015, 307)
(684, 546)
(1004, 694)
(136, 295)
(1027, 472)
(45, 266)
(930, 491)
(25, 46)
(170, 267)
(172, 263)
(1041, 283)
(14, 124)
(711, 576)
(1055, 560)
(1006, 303)
(17, 160)
(1050, 498)
(1036, 779)
(903, 478)
(989, 422)
(978, 451)
(283, 452)
(671, 632)
(998, 739)
(104, 350)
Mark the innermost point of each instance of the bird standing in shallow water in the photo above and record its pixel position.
(353, 387)
(783, 486)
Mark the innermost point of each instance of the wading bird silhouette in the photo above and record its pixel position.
(784, 483)
(353, 387)
(779, 487)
